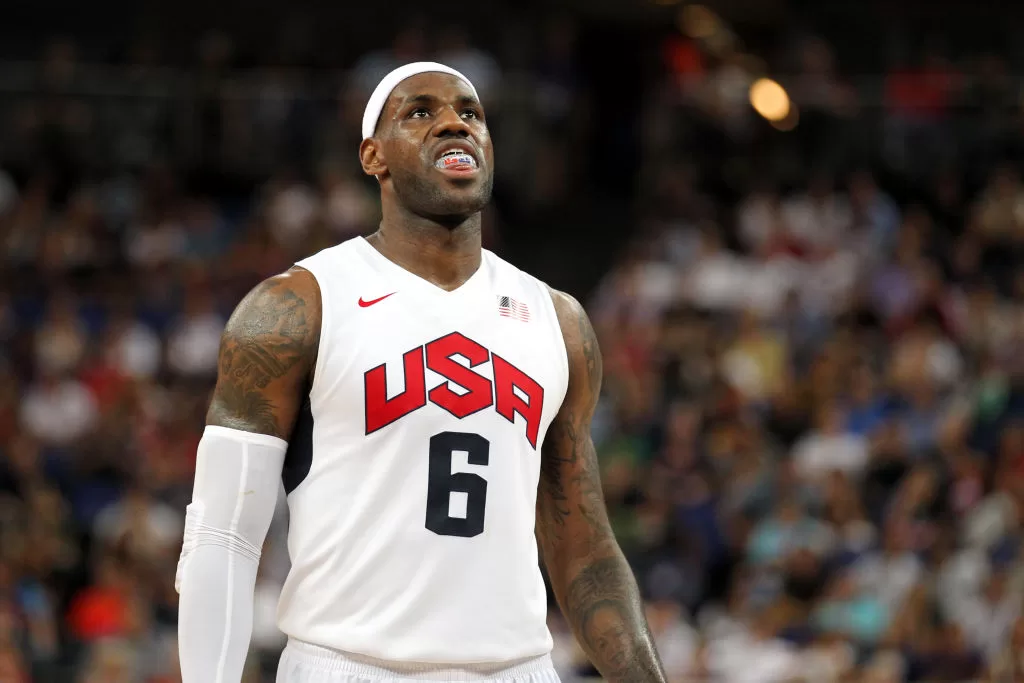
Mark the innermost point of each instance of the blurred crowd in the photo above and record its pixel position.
(812, 428)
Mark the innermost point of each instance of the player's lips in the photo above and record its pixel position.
(456, 157)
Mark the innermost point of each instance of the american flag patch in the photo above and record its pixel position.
(510, 308)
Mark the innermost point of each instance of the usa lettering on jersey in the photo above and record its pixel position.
(512, 392)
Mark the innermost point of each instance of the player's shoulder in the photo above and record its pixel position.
(292, 296)
(568, 307)
(296, 282)
(581, 348)
(275, 328)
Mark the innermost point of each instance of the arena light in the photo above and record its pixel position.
(769, 99)
(789, 122)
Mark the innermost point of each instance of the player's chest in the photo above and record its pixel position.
(433, 366)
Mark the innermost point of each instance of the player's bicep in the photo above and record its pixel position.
(267, 353)
(572, 520)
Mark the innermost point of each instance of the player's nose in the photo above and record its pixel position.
(449, 122)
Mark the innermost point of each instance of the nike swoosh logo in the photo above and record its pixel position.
(364, 304)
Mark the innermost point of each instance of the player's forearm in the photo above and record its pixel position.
(215, 615)
(601, 601)
(237, 479)
(588, 572)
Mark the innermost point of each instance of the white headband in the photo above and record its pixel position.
(380, 94)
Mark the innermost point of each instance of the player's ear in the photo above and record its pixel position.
(371, 159)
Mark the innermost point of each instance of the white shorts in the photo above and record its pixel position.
(305, 663)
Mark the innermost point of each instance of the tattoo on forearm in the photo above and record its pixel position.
(591, 499)
(268, 335)
(604, 604)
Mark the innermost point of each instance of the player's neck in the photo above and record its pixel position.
(445, 256)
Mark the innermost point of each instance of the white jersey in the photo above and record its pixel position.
(412, 473)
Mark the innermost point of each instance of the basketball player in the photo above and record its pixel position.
(428, 408)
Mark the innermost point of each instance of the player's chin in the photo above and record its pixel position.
(464, 204)
(466, 190)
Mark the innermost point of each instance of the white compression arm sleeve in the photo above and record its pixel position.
(237, 479)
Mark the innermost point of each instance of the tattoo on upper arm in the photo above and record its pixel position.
(552, 495)
(236, 404)
(570, 474)
(267, 337)
(592, 355)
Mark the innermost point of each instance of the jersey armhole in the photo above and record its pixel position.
(298, 460)
(548, 293)
(325, 327)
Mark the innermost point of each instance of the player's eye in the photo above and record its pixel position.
(419, 113)
(470, 114)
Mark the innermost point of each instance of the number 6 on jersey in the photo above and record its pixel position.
(441, 483)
